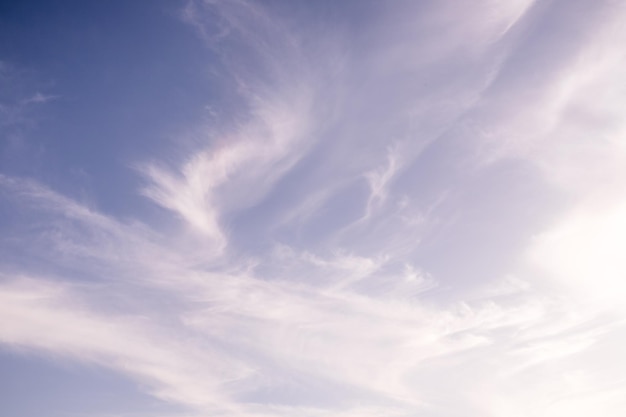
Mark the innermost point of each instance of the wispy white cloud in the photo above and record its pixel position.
(17, 98)
(39, 98)
(356, 325)
(221, 178)
(378, 181)
(232, 341)
(38, 315)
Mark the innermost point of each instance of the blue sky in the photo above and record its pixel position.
(279, 208)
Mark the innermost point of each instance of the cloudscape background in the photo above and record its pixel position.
(312, 208)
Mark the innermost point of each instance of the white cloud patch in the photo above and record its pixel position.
(572, 130)
(584, 252)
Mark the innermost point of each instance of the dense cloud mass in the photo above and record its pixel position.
(276, 208)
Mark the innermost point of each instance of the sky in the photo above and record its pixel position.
(243, 208)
